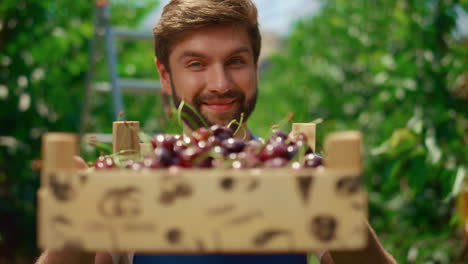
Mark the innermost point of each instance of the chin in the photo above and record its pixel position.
(218, 122)
(223, 119)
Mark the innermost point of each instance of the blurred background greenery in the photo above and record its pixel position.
(394, 69)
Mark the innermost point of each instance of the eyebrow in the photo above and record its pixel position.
(200, 55)
(240, 50)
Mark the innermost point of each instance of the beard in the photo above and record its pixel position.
(245, 106)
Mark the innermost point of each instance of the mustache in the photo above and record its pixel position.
(199, 99)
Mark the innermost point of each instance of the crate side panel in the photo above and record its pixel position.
(206, 211)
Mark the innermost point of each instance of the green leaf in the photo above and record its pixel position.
(459, 182)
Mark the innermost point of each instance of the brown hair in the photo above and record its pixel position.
(181, 16)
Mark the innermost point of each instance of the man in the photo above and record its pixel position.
(207, 55)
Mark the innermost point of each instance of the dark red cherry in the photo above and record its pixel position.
(188, 155)
(313, 160)
(278, 135)
(166, 141)
(300, 140)
(277, 162)
(221, 132)
(292, 151)
(166, 157)
(104, 162)
(201, 134)
(296, 165)
(219, 151)
(137, 166)
(152, 164)
(243, 160)
(253, 147)
(180, 145)
(233, 145)
(295, 137)
(274, 149)
(208, 162)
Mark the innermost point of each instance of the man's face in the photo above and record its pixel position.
(213, 70)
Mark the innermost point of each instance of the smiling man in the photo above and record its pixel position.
(207, 55)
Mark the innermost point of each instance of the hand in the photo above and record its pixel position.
(80, 163)
(66, 256)
(373, 253)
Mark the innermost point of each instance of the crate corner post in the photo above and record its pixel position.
(58, 155)
(343, 150)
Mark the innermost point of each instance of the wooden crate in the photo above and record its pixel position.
(203, 210)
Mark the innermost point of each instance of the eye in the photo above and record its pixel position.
(236, 61)
(194, 64)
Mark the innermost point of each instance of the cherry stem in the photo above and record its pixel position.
(301, 153)
(317, 121)
(124, 152)
(179, 114)
(144, 137)
(272, 128)
(171, 124)
(203, 156)
(197, 114)
(232, 122)
(104, 147)
(122, 155)
(245, 133)
(120, 115)
(239, 123)
(193, 123)
(282, 124)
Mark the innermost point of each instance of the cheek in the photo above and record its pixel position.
(189, 84)
(246, 80)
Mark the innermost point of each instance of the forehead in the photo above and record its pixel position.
(212, 40)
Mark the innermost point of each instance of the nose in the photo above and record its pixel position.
(219, 80)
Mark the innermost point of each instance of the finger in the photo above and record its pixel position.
(80, 163)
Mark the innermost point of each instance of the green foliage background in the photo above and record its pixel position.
(44, 56)
(392, 69)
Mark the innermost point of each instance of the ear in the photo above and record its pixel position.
(164, 76)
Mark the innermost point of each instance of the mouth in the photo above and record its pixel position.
(219, 105)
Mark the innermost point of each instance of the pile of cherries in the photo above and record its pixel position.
(217, 147)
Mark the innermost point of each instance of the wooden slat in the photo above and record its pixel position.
(206, 211)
